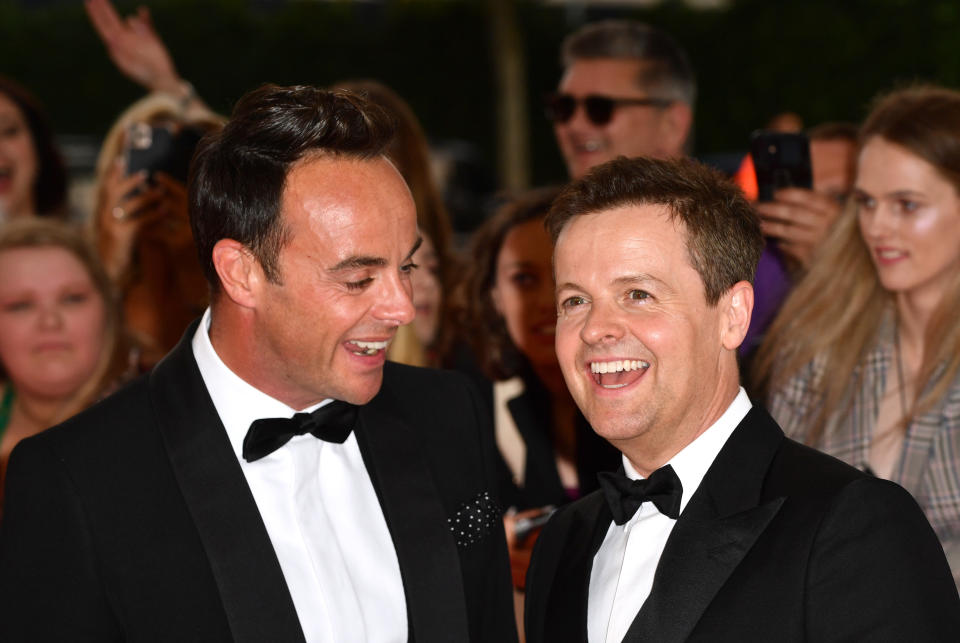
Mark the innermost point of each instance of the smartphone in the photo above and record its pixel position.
(159, 148)
(525, 527)
(781, 160)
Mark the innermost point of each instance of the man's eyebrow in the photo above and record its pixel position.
(619, 281)
(413, 250)
(359, 261)
(638, 278)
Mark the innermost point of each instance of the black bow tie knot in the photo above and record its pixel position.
(331, 423)
(625, 496)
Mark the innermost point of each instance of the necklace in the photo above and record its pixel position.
(900, 379)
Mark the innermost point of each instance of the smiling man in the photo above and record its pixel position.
(718, 528)
(627, 90)
(273, 479)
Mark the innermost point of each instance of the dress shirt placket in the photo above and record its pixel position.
(345, 622)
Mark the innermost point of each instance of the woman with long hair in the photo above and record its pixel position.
(863, 360)
(33, 178)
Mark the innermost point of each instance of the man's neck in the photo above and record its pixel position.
(647, 454)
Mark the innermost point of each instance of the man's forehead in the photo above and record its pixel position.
(603, 74)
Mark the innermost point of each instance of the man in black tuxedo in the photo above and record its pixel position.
(198, 503)
(719, 528)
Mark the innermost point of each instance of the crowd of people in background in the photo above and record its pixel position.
(854, 345)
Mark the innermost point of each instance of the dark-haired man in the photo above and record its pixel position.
(627, 90)
(272, 479)
(718, 528)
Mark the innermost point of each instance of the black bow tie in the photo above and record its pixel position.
(331, 422)
(625, 496)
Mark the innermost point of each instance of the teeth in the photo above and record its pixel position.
(373, 345)
(889, 254)
(617, 366)
(369, 348)
(591, 146)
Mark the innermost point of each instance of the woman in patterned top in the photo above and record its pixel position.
(863, 360)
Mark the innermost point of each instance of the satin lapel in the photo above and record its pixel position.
(566, 613)
(252, 587)
(698, 560)
(718, 527)
(429, 562)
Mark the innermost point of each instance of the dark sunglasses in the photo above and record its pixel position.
(561, 107)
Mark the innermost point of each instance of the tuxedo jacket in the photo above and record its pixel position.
(779, 543)
(133, 521)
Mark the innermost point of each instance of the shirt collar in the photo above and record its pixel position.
(237, 402)
(692, 462)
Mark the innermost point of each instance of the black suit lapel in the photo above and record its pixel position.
(255, 596)
(569, 591)
(716, 530)
(418, 523)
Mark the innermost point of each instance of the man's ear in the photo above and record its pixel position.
(737, 306)
(676, 123)
(239, 271)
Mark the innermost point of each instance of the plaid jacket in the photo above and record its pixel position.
(929, 462)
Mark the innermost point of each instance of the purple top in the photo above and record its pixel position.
(771, 287)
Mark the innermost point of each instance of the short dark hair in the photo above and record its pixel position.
(666, 71)
(722, 230)
(50, 186)
(238, 174)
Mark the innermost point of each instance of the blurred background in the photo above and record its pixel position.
(475, 71)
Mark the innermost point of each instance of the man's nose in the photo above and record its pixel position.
(602, 325)
(396, 305)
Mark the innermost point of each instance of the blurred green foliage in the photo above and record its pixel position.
(823, 59)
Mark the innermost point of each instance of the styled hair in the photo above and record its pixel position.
(836, 311)
(50, 187)
(483, 327)
(410, 153)
(666, 71)
(722, 231)
(238, 174)
(46, 233)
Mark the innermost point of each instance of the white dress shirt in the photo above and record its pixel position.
(623, 567)
(321, 513)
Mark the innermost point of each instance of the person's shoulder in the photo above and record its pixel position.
(418, 387)
(798, 469)
(114, 418)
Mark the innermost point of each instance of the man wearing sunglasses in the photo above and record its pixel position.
(628, 89)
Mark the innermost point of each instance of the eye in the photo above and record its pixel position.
(407, 268)
(17, 306)
(638, 295)
(75, 298)
(359, 285)
(865, 202)
(572, 302)
(524, 280)
(906, 205)
(9, 132)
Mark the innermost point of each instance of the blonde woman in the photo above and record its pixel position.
(58, 329)
(863, 361)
